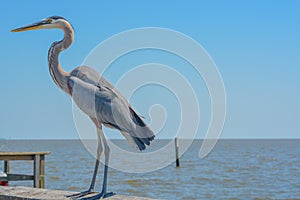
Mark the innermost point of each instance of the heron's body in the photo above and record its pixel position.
(95, 96)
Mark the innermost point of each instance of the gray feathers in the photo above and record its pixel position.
(95, 96)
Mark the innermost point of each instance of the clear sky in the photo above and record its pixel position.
(255, 44)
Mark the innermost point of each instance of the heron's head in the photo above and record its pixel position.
(48, 23)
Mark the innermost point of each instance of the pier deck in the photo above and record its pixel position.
(26, 193)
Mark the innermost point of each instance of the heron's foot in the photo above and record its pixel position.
(80, 194)
(101, 195)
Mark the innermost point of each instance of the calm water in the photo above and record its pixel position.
(235, 169)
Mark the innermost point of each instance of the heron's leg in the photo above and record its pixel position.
(99, 152)
(103, 193)
(91, 188)
(106, 153)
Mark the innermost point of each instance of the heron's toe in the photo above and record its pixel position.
(99, 196)
(80, 194)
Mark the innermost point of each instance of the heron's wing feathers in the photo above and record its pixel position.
(95, 96)
(100, 103)
(90, 75)
(144, 132)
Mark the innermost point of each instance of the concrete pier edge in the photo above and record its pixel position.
(27, 193)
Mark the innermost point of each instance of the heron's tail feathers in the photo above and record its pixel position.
(136, 142)
(140, 144)
(143, 134)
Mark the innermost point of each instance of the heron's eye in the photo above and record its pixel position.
(49, 20)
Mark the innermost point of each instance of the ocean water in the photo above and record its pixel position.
(235, 169)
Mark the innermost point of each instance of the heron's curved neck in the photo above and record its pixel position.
(58, 74)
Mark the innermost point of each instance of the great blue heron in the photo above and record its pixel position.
(96, 97)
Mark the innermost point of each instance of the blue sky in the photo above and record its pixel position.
(255, 44)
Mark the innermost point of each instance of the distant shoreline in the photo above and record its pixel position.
(234, 139)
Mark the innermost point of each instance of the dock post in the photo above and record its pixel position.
(38, 159)
(177, 152)
(37, 173)
(42, 171)
(6, 166)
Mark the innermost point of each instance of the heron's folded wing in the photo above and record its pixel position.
(100, 100)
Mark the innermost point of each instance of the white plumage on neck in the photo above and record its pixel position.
(58, 74)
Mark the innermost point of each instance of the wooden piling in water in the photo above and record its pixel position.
(177, 152)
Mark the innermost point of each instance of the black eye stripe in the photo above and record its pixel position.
(57, 17)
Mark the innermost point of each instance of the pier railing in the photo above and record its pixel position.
(38, 159)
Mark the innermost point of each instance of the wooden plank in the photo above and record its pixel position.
(17, 177)
(21, 193)
(42, 171)
(6, 166)
(36, 170)
(24, 153)
(16, 157)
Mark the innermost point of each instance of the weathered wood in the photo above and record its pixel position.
(17, 177)
(36, 171)
(14, 157)
(6, 166)
(25, 193)
(9, 153)
(20, 155)
(177, 152)
(38, 159)
(42, 171)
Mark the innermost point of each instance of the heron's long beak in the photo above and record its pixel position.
(35, 26)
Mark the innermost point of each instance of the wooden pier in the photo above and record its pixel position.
(38, 159)
(36, 193)
(25, 193)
